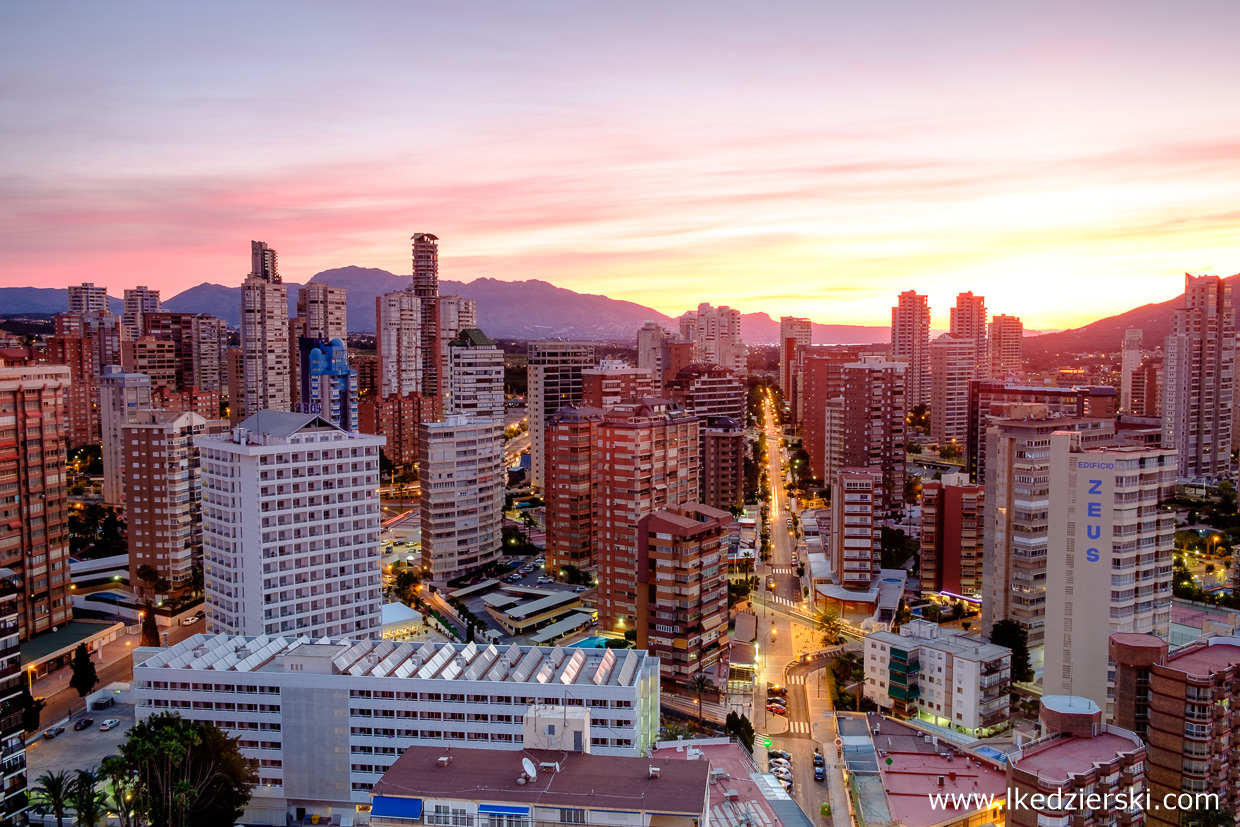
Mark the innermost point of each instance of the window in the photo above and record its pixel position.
(572, 816)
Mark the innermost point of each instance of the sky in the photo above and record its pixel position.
(1067, 160)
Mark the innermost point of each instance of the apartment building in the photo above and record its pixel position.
(1183, 702)
(614, 381)
(291, 528)
(461, 471)
(474, 373)
(856, 526)
(122, 396)
(13, 801)
(682, 605)
(1147, 388)
(455, 314)
(139, 301)
(425, 286)
(1005, 348)
(327, 385)
(326, 718)
(650, 338)
(157, 358)
(953, 365)
(87, 298)
(1130, 360)
(968, 321)
(953, 536)
(555, 381)
(819, 378)
(723, 462)
(864, 427)
(265, 355)
(938, 675)
(716, 336)
(399, 343)
(794, 333)
(325, 309)
(397, 419)
(569, 491)
(910, 342)
(199, 342)
(84, 343)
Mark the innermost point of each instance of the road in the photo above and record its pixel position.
(780, 567)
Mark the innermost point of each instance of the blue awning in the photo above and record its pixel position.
(394, 807)
(503, 810)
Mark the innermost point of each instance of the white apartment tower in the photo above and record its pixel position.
(265, 355)
(291, 528)
(1108, 559)
(910, 342)
(650, 338)
(716, 336)
(1199, 379)
(138, 301)
(399, 343)
(953, 365)
(461, 467)
(475, 373)
(554, 382)
(1005, 346)
(794, 333)
(968, 321)
(455, 314)
(121, 396)
(1130, 360)
(87, 298)
(325, 310)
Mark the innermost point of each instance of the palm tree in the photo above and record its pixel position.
(830, 625)
(54, 790)
(87, 801)
(700, 683)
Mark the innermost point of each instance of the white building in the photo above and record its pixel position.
(716, 336)
(455, 314)
(1130, 360)
(910, 342)
(554, 382)
(1108, 559)
(138, 301)
(650, 338)
(399, 343)
(474, 368)
(461, 468)
(1005, 347)
(325, 310)
(87, 298)
(953, 364)
(941, 676)
(266, 360)
(121, 396)
(326, 717)
(291, 528)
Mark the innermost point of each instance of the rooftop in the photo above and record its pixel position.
(760, 802)
(438, 661)
(1057, 758)
(1217, 655)
(582, 780)
(283, 423)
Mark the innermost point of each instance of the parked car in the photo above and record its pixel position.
(780, 762)
(110, 723)
(784, 774)
(190, 621)
(52, 732)
(778, 753)
(777, 709)
(544, 580)
(200, 614)
(820, 773)
(818, 759)
(82, 723)
(776, 689)
(579, 588)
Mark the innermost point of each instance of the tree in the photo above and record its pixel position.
(86, 800)
(1209, 817)
(150, 629)
(84, 677)
(949, 451)
(32, 709)
(700, 683)
(186, 773)
(740, 727)
(120, 785)
(1011, 634)
(53, 791)
(829, 624)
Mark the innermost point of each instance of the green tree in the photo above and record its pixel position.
(32, 709)
(700, 684)
(120, 785)
(53, 791)
(949, 451)
(829, 626)
(1208, 817)
(740, 727)
(1011, 634)
(150, 629)
(84, 677)
(87, 801)
(186, 773)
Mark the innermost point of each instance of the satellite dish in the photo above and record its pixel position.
(529, 768)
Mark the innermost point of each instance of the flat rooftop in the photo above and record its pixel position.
(912, 778)
(582, 780)
(438, 661)
(1058, 759)
(759, 802)
(1219, 655)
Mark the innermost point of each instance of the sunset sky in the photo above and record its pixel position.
(1067, 160)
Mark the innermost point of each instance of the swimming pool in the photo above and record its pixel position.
(594, 642)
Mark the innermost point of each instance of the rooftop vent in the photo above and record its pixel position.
(732, 795)
(444, 760)
(718, 774)
(654, 772)
(549, 766)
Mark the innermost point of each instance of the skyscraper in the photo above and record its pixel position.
(554, 382)
(425, 287)
(265, 355)
(650, 338)
(570, 487)
(474, 371)
(953, 535)
(325, 310)
(864, 426)
(1130, 360)
(910, 341)
(968, 321)
(856, 550)
(138, 302)
(199, 341)
(312, 570)
(1005, 346)
(794, 332)
(328, 385)
(121, 396)
(461, 469)
(399, 343)
(716, 336)
(455, 314)
(1199, 379)
(953, 365)
(1108, 559)
(87, 298)
(13, 802)
(85, 343)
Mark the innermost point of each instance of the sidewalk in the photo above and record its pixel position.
(58, 681)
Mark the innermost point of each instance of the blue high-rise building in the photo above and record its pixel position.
(328, 384)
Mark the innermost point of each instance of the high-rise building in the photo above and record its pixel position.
(1147, 389)
(819, 378)
(399, 343)
(1199, 379)
(425, 287)
(675, 354)
(990, 399)
(474, 371)
(1108, 559)
(163, 488)
(367, 365)
(614, 381)
(266, 361)
(716, 336)
(328, 385)
(1129, 361)
(682, 604)
(85, 343)
(856, 526)
(204, 403)
(455, 314)
(707, 391)
(723, 462)
(1018, 512)
(139, 301)
(87, 298)
(555, 381)
(325, 309)
(1183, 703)
(1005, 348)
(794, 333)
(461, 470)
(396, 418)
(234, 368)
(650, 338)
(864, 425)
(953, 365)
(569, 491)
(34, 500)
(13, 803)
(968, 321)
(200, 341)
(910, 342)
(283, 556)
(953, 536)
(121, 396)
(157, 358)
(649, 460)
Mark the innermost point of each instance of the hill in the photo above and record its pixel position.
(14, 300)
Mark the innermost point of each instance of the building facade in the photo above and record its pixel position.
(291, 528)
(87, 298)
(425, 287)
(399, 343)
(1130, 360)
(716, 336)
(397, 419)
(723, 462)
(265, 355)
(555, 381)
(121, 396)
(953, 365)
(953, 536)
(139, 301)
(856, 526)
(328, 385)
(474, 369)
(613, 381)
(325, 309)
(910, 342)
(1005, 348)
(968, 321)
(13, 801)
(794, 333)
(570, 487)
(864, 427)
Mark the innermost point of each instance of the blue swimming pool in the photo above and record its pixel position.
(589, 643)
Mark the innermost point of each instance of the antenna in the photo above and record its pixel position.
(530, 769)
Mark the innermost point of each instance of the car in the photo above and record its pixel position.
(544, 580)
(819, 760)
(82, 723)
(780, 762)
(52, 732)
(777, 709)
(579, 588)
(200, 614)
(784, 774)
(820, 773)
(190, 621)
(776, 689)
(778, 753)
(110, 723)
(776, 699)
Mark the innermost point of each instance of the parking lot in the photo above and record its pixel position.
(72, 750)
